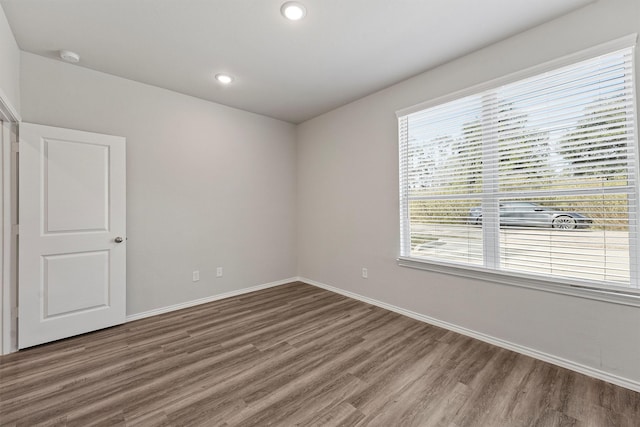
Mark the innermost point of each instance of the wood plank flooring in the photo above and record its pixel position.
(295, 355)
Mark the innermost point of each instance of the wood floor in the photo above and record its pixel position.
(295, 355)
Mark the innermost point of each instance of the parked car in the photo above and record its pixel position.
(526, 214)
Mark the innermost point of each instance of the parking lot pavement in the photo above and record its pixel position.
(583, 253)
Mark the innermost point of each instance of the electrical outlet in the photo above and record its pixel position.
(219, 272)
(196, 276)
(365, 273)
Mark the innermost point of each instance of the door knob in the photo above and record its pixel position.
(118, 239)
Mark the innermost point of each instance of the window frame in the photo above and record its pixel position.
(567, 286)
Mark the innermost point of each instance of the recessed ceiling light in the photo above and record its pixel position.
(224, 78)
(69, 56)
(293, 10)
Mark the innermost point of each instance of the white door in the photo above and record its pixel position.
(72, 244)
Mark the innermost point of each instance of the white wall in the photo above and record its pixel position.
(348, 210)
(9, 64)
(207, 185)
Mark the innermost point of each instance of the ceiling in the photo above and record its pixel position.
(293, 71)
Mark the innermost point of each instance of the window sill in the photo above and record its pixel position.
(630, 297)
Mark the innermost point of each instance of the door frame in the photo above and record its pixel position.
(10, 119)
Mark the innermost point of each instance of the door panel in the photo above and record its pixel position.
(77, 186)
(72, 208)
(75, 282)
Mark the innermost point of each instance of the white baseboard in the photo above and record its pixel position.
(559, 361)
(162, 310)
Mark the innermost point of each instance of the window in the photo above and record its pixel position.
(535, 178)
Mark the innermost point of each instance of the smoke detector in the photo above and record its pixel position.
(67, 55)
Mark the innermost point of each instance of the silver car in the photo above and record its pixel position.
(527, 214)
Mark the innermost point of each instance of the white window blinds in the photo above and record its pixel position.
(535, 177)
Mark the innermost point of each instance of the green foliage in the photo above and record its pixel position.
(520, 145)
(601, 134)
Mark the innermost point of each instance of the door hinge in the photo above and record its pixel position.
(15, 147)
